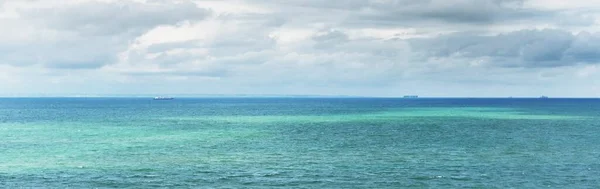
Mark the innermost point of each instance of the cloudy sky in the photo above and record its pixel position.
(317, 47)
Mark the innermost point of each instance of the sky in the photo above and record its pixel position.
(436, 48)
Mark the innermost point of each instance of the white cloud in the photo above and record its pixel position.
(560, 4)
(233, 7)
(80, 34)
(360, 47)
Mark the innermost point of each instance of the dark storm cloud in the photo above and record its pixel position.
(526, 48)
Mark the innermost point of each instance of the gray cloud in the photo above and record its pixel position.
(238, 44)
(198, 73)
(407, 13)
(87, 63)
(330, 39)
(585, 47)
(460, 11)
(67, 52)
(157, 48)
(527, 48)
(89, 35)
(99, 18)
(346, 45)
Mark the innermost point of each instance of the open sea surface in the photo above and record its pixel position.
(299, 143)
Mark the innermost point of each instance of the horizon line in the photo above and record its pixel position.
(287, 96)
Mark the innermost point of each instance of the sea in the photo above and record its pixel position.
(299, 143)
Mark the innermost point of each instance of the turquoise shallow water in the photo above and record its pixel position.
(299, 143)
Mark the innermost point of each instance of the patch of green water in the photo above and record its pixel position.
(390, 115)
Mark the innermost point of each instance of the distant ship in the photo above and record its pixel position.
(411, 96)
(163, 98)
(543, 97)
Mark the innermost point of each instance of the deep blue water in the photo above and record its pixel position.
(299, 143)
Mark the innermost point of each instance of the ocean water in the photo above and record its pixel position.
(299, 143)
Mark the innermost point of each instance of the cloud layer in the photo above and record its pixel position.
(524, 48)
(353, 47)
